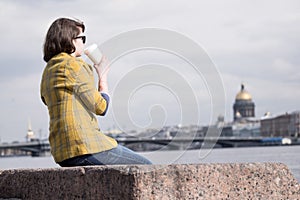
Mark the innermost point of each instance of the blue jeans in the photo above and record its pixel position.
(116, 156)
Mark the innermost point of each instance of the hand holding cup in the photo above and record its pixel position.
(102, 68)
(100, 61)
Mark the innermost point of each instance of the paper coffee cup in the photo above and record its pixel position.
(93, 53)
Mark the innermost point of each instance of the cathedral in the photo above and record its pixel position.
(243, 106)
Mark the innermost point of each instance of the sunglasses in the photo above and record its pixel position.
(81, 37)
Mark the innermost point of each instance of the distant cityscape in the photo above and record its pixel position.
(244, 123)
(279, 129)
(284, 126)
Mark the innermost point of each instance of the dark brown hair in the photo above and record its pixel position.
(60, 35)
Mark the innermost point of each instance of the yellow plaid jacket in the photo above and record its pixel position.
(68, 89)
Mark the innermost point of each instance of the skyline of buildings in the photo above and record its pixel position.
(244, 123)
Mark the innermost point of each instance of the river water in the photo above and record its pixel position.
(289, 155)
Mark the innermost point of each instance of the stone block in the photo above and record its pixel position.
(179, 181)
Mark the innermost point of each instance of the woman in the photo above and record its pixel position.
(68, 90)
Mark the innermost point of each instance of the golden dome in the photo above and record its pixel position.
(243, 94)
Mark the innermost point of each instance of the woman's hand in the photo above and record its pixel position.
(102, 70)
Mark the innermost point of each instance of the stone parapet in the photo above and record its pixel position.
(178, 181)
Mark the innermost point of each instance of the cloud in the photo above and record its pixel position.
(255, 42)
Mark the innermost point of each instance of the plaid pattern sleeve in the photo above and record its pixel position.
(84, 88)
(68, 89)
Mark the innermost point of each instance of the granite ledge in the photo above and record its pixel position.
(177, 181)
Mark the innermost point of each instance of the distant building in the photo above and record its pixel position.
(284, 125)
(30, 134)
(243, 106)
(244, 123)
(245, 128)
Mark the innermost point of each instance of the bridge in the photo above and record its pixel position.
(42, 147)
(33, 148)
(180, 143)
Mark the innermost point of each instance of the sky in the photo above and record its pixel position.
(248, 41)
